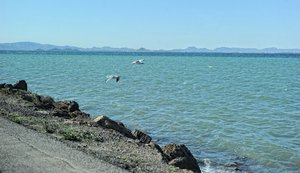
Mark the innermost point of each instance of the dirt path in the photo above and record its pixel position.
(26, 151)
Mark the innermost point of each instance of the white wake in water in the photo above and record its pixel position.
(208, 168)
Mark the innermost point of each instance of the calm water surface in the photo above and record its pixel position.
(225, 108)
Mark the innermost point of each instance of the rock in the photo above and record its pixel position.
(27, 97)
(144, 138)
(104, 121)
(156, 146)
(61, 113)
(2, 85)
(180, 156)
(73, 106)
(46, 102)
(21, 84)
(61, 105)
(68, 109)
(68, 115)
(9, 86)
(79, 114)
(158, 149)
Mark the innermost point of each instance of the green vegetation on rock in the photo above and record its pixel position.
(75, 134)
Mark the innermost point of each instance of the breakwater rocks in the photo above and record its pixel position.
(101, 136)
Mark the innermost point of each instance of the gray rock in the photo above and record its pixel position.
(61, 113)
(73, 106)
(44, 102)
(21, 84)
(47, 102)
(9, 86)
(79, 114)
(104, 121)
(61, 105)
(2, 85)
(180, 156)
(144, 138)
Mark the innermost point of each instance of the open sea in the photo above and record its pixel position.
(227, 108)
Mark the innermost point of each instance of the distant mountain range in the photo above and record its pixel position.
(32, 46)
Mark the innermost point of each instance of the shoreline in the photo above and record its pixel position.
(100, 137)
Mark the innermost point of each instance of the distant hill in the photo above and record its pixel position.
(32, 46)
(254, 50)
(191, 49)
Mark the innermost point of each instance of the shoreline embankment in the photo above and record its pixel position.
(101, 137)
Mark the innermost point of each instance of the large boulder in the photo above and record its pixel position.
(180, 156)
(43, 102)
(104, 121)
(61, 105)
(68, 109)
(144, 138)
(2, 85)
(21, 84)
(73, 106)
(8, 86)
(46, 102)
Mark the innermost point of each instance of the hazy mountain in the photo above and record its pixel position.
(31, 46)
(254, 50)
(236, 50)
(191, 49)
(107, 49)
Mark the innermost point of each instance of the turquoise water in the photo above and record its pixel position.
(225, 108)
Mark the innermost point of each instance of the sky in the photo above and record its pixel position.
(153, 24)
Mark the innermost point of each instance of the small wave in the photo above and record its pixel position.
(210, 168)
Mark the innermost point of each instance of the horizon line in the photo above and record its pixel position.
(160, 49)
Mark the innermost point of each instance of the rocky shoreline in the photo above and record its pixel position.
(101, 136)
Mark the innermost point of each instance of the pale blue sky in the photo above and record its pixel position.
(153, 24)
